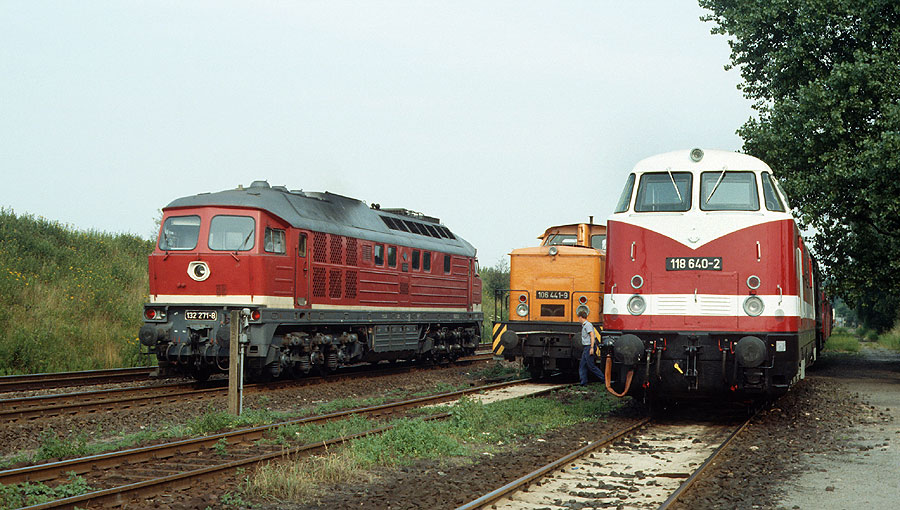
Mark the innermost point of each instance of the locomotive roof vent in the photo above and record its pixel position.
(260, 184)
(411, 214)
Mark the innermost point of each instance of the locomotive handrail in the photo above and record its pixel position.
(504, 302)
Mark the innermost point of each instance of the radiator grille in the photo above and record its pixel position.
(335, 252)
(351, 251)
(350, 285)
(334, 284)
(318, 282)
(318, 247)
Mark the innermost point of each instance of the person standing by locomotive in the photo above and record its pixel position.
(589, 343)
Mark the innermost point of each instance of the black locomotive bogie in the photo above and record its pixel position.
(543, 347)
(691, 365)
(293, 343)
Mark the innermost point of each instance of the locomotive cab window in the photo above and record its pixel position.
(781, 193)
(426, 261)
(562, 240)
(625, 199)
(446, 264)
(728, 191)
(416, 256)
(664, 192)
(379, 254)
(301, 246)
(274, 241)
(598, 241)
(231, 233)
(773, 201)
(392, 256)
(179, 233)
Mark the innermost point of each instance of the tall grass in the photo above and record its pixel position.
(842, 340)
(71, 300)
(891, 339)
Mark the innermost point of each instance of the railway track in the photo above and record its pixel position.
(101, 401)
(9, 383)
(648, 465)
(144, 472)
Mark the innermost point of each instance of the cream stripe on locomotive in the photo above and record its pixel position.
(231, 299)
(281, 302)
(387, 308)
(709, 305)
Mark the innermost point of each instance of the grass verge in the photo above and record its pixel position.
(891, 339)
(473, 429)
(842, 340)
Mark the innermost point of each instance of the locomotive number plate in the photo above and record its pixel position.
(693, 263)
(552, 294)
(200, 315)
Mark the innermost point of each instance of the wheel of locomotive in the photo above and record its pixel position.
(657, 406)
(536, 371)
(201, 374)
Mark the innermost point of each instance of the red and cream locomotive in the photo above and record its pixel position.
(710, 290)
(328, 280)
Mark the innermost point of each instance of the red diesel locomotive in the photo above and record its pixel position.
(710, 290)
(329, 281)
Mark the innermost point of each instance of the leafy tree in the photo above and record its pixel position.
(496, 277)
(825, 81)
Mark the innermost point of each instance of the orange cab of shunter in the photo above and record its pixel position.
(548, 285)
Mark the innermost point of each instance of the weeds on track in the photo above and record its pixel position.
(31, 493)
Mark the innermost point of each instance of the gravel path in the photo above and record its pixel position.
(867, 473)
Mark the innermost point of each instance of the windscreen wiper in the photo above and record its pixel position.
(669, 171)
(718, 181)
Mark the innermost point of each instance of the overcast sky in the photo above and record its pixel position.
(499, 118)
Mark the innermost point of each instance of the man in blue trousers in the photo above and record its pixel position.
(589, 341)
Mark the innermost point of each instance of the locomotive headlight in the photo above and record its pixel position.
(637, 281)
(753, 282)
(636, 305)
(154, 314)
(754, 306)
(553, 250)
(522, 310)
(696, 155)
(198, 271)
(583, 308)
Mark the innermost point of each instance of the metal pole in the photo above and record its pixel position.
(241, 382)
(235, 370)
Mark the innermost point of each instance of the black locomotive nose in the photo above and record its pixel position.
(509, 340)
(148, 335)
(627, 349)
(750, 351)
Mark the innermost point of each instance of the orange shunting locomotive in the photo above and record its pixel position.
(535, 319)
